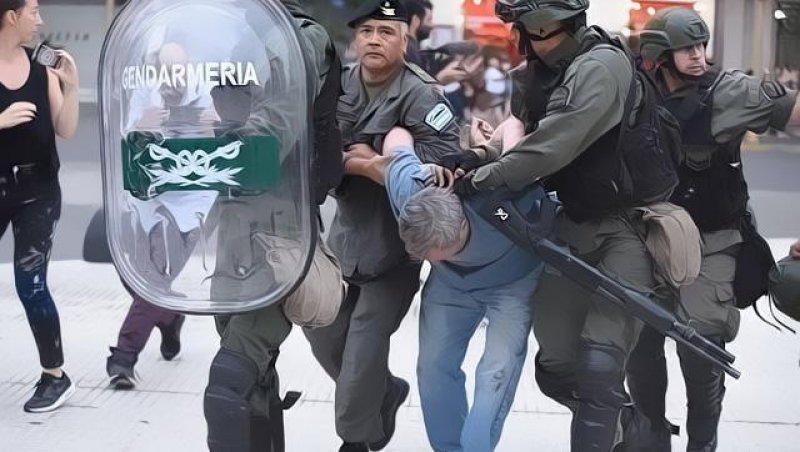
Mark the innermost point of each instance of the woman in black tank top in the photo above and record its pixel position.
(36, 104)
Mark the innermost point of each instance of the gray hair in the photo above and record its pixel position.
(431, 219)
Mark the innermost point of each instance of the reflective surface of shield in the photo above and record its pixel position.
(205, 140)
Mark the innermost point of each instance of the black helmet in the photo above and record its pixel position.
(534, 14)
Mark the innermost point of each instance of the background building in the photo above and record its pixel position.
(758, 35)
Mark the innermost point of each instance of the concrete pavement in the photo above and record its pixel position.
(762, 410)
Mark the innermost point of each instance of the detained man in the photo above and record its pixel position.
(476, 273)
(380, 91)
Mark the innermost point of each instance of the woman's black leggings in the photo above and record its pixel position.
(33, 216)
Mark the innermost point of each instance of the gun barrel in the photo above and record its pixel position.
(636, 303)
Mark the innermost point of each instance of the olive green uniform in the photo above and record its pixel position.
(258, 334)
(740, 104)
(568, 320)
(253, 339)
(354, 350)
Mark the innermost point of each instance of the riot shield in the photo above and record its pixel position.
(204, 117)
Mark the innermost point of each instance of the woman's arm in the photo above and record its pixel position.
(62, 90)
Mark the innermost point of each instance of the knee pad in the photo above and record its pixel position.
(231, 381)
(601, 373)
(558, 384)
(597, 425)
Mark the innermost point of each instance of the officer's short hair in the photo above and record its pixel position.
(431, 219)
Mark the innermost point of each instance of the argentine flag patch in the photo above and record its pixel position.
(439, 117)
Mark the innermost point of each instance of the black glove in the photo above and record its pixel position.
(464, 187)
(467, 161)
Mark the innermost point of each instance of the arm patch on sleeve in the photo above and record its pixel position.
(439, 117)
(773, 90)
(560, 98)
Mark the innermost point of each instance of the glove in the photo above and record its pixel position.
(464, 186)
(467, 161)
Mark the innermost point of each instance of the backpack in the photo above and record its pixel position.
(754, 263)
(649, 145)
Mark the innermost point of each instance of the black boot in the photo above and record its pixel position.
(396, 394)
(647, 381)
(353, 447)
(119, 367)
(171, 339)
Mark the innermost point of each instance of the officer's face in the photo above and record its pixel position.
(380, 44)
(691, 60)
(547, 38)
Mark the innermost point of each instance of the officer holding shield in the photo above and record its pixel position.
(242, 405)
(381, 91)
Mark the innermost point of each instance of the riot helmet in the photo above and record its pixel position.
(533, 14)
(530, 16)
(672, 29)
(784, 286)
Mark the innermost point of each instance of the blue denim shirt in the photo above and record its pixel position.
(489, 258)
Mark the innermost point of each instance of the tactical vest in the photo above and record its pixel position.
(712, 186)
(633, 164)
(585, 186)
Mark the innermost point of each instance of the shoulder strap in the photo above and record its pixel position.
(630, 101)
(698, 98)
(419, 72)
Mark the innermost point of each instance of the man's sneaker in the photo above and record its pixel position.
(119, 367)
(396, 394)
(50, 393)
(171, 339)
(353, 447)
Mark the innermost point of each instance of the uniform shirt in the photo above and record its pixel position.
(742, 103)
(364, 232)
(587, 104)
(489, 258)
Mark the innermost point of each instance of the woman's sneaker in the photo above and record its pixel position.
(50, 393)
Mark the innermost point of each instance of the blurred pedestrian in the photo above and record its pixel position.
(794, 251)
(163, 247)
(37, 103)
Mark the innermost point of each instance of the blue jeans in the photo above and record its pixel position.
(448, 319)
